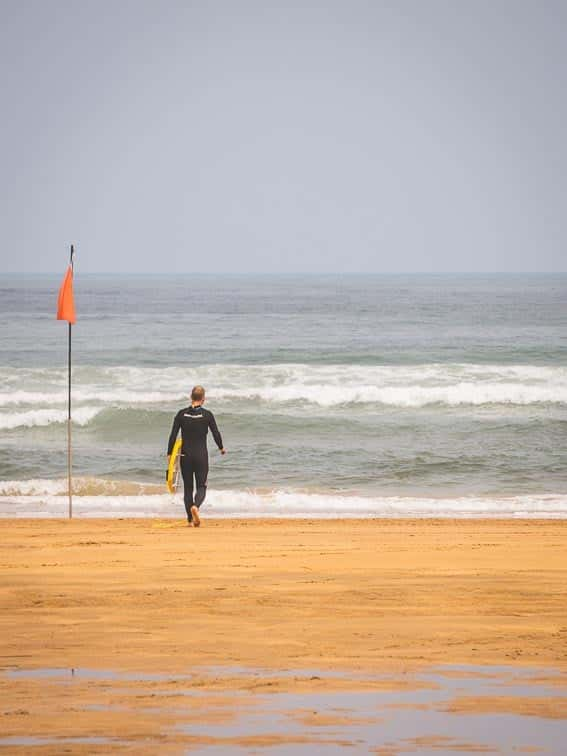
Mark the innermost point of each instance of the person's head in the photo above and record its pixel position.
(198, 395)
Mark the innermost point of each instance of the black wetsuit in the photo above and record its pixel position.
(194, 423)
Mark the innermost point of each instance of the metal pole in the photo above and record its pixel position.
(69, 466)
(69, 452)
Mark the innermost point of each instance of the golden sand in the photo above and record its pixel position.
(355, 597)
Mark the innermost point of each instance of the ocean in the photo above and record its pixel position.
(337, 396)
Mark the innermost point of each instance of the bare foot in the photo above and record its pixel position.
(195, 516)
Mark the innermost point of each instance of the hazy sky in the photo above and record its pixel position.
(246, 135)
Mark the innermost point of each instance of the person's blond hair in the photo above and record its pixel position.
(197, 394)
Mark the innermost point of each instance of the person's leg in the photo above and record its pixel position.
(201, 468)
(187, 473)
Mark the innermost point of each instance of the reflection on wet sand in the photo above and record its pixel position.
(243, 710)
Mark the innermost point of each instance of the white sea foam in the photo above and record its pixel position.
(324, 386)
(82, 486)
(33, 487)
(116, 396)
(403, 396)
(46, 499)
(43, 417)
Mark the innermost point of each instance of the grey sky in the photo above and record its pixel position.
(284, 136)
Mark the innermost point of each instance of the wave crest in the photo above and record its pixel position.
(323, 386)
(43, 417)
(82, 486)
(324, 395)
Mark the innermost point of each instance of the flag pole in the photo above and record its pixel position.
(69, 450)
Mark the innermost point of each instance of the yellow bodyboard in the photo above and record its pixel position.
(173, 468)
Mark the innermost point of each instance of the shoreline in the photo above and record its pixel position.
(100, 499)
(263, 519)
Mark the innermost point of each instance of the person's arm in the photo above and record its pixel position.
(216, 433)
(174, 432)
(172, 438)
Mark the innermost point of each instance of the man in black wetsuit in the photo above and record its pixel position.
(194, 422)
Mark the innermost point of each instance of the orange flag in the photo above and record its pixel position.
(66, 301)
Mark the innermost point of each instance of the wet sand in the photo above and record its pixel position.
(338, 602)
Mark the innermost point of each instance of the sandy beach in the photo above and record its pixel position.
(338, 603)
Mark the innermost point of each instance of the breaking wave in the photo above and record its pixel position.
(116, 396)
(82, 486)
(43, 417)
(403, 396)
(106, 498)
(318, 385)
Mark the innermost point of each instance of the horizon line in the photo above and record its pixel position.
(162, 274)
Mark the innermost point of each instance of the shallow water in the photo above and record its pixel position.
(31, 740)
(404, 719)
